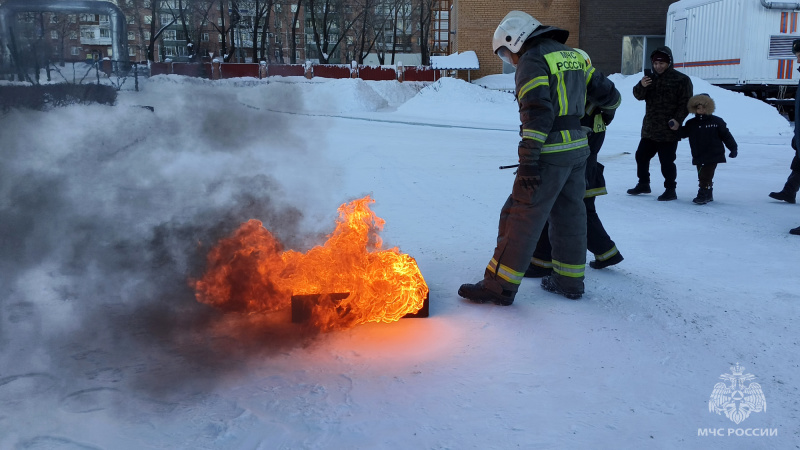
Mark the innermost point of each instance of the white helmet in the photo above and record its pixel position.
(514, 30)
(585, 56)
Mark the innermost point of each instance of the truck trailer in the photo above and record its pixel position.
(741, 45)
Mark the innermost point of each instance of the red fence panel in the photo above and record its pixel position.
(159, 68)
(286, 70)
(331, 71)
(420, 73)
(188, 69)
(376, 73)
(236, 70)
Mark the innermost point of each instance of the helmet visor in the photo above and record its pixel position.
(505, 54)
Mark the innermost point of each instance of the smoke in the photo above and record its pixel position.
(106, 213)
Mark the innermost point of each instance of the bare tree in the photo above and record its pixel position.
(425, 13)
(333, 25)
(293, 57)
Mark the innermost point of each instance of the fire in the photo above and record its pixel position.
(250, 272)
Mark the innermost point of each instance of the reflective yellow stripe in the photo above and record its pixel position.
(505, 272)
(564, 146)
(607, 255)
(595, 192)
(569, 270)
(589, 73)
(561, 90)
(541, 263)
(533, 84)
(535, 135)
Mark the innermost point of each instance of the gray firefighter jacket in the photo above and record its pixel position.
(552, 85)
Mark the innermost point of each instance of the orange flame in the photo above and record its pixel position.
(249, 272)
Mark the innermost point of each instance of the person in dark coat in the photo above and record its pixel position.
(708, 136)
(665, 92)
(789, 192)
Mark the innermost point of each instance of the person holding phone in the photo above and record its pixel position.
(666, 93)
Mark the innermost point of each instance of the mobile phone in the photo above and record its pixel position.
(648, 73)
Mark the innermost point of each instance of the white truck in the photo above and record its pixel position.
(742, 45)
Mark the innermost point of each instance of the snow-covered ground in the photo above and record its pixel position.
(106, 214)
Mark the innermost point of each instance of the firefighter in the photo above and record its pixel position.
(597, 239)
(552, 85)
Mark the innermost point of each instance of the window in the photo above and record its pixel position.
(219, 21)
(165, 19)
(146, 3)
(278, 23)
(278, 7)
(131, 36)
(169, 35)
(54, 18)
(73, 34)
(131, 51)
(148, 19)
(169, 51)
(75, 51)
(87, 34)
(105, 33)
(53, 34)
(88, 18)
(147, 35)
(204, 37)
(131, 20)
(73, 18)
(181, 35)
(103, 18)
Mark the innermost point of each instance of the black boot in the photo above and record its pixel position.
(549, 284)
(795, 231)
(641, 188)
(710, 194)
(669, 194)
(478, 293)
(703, 196)
(788, 197)
(598, 264)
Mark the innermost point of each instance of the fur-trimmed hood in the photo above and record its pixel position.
(698, 99)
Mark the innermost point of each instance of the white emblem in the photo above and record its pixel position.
(737, 401)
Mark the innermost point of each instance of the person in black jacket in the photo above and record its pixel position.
(665, 92)
(708, 136)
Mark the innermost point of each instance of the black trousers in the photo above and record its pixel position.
(666, 152)
(793, 182)
(705, 174)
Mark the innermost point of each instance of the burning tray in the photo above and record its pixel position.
(303, 306)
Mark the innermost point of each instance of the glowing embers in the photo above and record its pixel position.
(250, 272)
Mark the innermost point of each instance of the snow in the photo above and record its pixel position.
(107, 212)
(460, 61)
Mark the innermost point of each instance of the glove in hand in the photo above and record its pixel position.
(733, 153)
(528, 176)
(607, 115)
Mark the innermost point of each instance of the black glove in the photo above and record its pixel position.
(528, 175)
(733, 153)
(607, 115)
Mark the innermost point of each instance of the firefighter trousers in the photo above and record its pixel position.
(559, 201)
